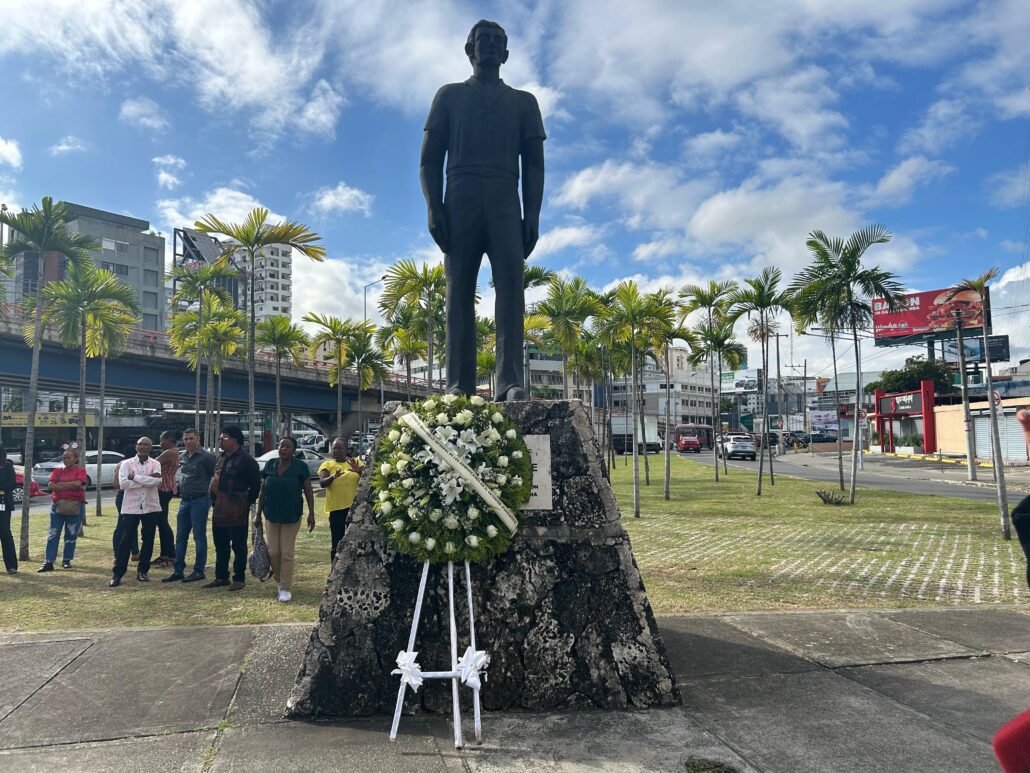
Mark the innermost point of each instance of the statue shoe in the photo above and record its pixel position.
(514, 393)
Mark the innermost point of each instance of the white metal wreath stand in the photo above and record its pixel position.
(465, 669)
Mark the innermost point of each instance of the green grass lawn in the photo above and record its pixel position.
(711, 548)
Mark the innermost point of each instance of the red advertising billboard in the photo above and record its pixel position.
(928, 315)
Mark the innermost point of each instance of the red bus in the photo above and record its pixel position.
(702, 432)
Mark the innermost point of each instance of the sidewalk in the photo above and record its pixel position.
(913, 690)
(927, 468)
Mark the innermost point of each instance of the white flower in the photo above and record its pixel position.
(450, 522)
(449, 547)
(413, 513)
(516, 480)
(386, 507)
(385, 468)
(429, 405)
(408, 483)
(384, 495)
(405, 438)
(502, 479)
(510, 434)
(477, 401)
(516, 454)
(464, 417)
(451, 488)
(397, 525)
(441, 418)
(472, 541)
(394, 435)
(449, 399)
(414, 537)
(502, 461)
(430, 543)
(496, 418)
(435, 515)
(494, 434)
(401, 464)
(408, 500)
(491, 531)
(473, 513)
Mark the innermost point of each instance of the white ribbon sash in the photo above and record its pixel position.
(410, 672)
(465, 472)
(470, 665)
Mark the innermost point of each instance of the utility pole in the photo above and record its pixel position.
(967, 421)
(779, 394)
(861, 409)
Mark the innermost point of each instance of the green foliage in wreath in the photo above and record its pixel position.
(424, 505)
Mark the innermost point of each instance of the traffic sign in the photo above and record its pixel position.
(997, 398)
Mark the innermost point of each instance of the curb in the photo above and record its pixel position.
(980, 484)
(934, 459)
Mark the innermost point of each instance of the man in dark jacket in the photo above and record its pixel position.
(234, 488)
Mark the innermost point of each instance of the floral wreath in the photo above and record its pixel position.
(449, 479)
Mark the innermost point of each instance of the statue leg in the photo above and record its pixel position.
(461, 265)
(507, 265)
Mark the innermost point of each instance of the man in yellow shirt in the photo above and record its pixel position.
(339, 477)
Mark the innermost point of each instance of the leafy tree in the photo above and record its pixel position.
(334, 334)
(714, 343)
(401, 339)
(908, 379)
(368, 361)
(251, 237)
(223, 338)
(846, 289)
(284, 340)
(40, 234)
(422, 287)
(567, 306)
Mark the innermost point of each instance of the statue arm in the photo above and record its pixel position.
(532, 191)
(434, 149)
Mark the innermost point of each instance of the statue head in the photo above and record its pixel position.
(487, 44)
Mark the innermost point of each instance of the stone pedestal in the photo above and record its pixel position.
(563, 613)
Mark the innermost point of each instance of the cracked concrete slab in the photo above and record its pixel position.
(134, 682)
(838, 639)
(270, 669)
(28, 666)
(992, 630)
(183, 752)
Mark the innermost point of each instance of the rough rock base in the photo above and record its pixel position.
(563, 614)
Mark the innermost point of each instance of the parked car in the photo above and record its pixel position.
(19, 486)
(312, 459)
(41, 472)
(742, 446)
(689, 444)
(820, 437)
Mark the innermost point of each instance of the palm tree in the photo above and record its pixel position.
(808, 310)
(192, 283)
(421, 287)
(71, 306)
(712, 300)
(567, 306)
(404, 343)
(978, 286)
(286, 341)
(714, 343)
(533, 276)
(627, 320)
(762, 297)
(40, 235)
(107, 333)
(252, 236)
(368, 361)
(335, 334)
(847, 290)
(667, 330)
(223, 337)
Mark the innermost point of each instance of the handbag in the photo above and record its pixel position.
(231, 508)
(260, 562)
(68, 507)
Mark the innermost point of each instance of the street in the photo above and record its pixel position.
(887, 473)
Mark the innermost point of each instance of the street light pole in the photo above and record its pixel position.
(364, 297)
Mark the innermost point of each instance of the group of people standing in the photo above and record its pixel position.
(228, 487)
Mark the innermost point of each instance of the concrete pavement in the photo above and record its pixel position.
(913, 690)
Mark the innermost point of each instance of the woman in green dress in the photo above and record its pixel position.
(284, 482)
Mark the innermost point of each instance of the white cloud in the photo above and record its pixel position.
(342, 198)
(67, 144)
(564, 237)
(144, 113)
(898, 184)
(796, 104)
(707, 148)
(322, 111)
(1009, 188)
(169, 160)
(227, 204)
(335, 287)
(10, 153)
(947, 121)
(1010, 245)
(167, 180)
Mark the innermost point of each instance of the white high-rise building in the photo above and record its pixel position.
(273, 291)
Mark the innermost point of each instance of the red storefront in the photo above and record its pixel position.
(906, 413)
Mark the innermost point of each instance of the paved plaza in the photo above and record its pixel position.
(912, 690)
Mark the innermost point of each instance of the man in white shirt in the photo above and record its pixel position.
(139, 478)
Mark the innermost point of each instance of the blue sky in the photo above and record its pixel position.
(686, 141)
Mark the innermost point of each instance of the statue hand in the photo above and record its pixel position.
(438, 228)
(530, 235)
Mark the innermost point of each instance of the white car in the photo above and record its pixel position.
(312, 459)
(738, 445)
(41, 472)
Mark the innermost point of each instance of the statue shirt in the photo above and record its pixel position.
(485, 127)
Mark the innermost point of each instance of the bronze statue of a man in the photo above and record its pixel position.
(485, 128)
